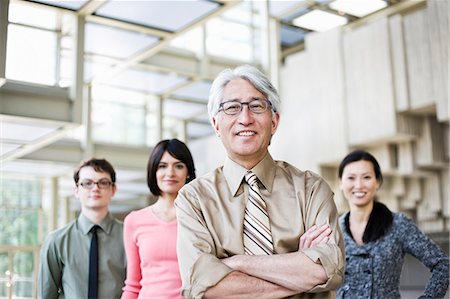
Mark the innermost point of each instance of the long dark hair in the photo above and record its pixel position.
(176, 149)
(380, 219)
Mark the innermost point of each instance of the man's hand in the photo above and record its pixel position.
(314, 236)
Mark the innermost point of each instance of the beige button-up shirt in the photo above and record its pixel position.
(210, 213)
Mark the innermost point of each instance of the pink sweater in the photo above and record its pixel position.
(152, 263)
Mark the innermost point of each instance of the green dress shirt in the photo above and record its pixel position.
(210, 214)
(64, 260)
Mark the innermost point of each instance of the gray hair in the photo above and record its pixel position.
(246, 72)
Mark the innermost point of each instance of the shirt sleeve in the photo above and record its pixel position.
(200, 269)
(50, 270)
(134, 275)
(321, 209)
(430, 254)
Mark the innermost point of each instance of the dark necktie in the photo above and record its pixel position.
(93, 265)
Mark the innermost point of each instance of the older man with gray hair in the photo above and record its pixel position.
(256, 227)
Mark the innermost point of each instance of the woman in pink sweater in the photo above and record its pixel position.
(150, 234)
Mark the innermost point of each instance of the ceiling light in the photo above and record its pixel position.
(319, 20)
(358, 8)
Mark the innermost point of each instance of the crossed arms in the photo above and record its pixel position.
(210, 248)
(274, 276)
(211, 266)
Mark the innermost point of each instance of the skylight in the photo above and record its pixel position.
(358, 8)
(318, 20)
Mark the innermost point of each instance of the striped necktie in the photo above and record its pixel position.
(257, 235)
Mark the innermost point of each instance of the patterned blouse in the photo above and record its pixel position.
(373, 269)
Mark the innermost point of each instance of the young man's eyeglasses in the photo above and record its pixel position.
(234, 107)
(101, 184)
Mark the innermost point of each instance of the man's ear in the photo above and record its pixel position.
(75, 191)
(215, 124)
(114, 189)
(275, 122)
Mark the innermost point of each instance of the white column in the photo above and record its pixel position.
(4, 5)
(76, 89)
(159, 118)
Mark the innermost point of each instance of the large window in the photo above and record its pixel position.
(21, 221)
(35, 36)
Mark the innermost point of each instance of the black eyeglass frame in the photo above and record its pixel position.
(107, 184)
(241, 104)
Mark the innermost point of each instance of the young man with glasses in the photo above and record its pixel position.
(86, 258)
(256, 227)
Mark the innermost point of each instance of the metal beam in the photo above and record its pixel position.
(400, 7)
(70, 152)
(35, 102)
(127, 26)
(90, 7)
(32, 147)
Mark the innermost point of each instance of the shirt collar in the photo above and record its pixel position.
(264, 170)
(86, 225)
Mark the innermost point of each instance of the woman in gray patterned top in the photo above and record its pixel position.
(376, 240)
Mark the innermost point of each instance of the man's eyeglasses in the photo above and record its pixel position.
(233, 107)
(101, 184)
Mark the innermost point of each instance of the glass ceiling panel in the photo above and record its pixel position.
(72, 4)
(280, 7)
(319, 20)
(166, 15)
(25, 132)
(146, 81)
(182, 110)
(291, 36)
(115, 42)
(198, 90)
(32, 15)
